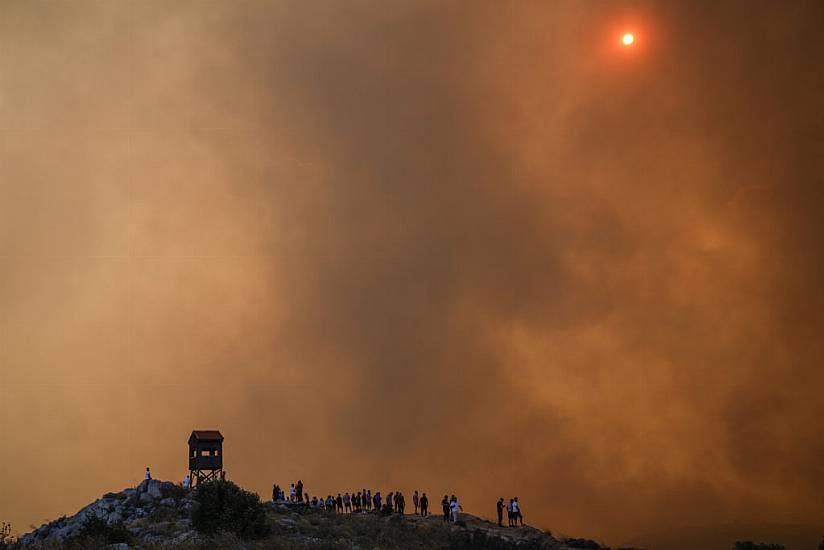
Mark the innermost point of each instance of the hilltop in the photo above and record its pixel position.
(160, 514)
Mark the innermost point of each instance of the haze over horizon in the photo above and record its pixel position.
(481, 249)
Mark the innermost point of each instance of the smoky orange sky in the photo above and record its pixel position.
(469, 247)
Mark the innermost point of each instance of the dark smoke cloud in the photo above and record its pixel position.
(468, 249)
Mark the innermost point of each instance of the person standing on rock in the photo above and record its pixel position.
(454, 506)
(510, 514)
(445, 506)
(292, 492)
(415, 501)
(516, 513)
(299, 491)
(347, 503)
(500, 507)
(148, 475)
(377, 501)
(424, 505)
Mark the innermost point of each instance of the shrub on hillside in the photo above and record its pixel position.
(172, 490)
(478, 540)
(222, 506)
(96, 531)
(6, 538)
(162, 513)
(749, 545)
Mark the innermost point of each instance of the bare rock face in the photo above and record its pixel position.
(154, 489)
(114, 517)
(151, 488)
(154, 511)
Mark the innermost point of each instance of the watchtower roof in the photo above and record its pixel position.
(205, 435)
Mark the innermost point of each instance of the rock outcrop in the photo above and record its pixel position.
(153, 512)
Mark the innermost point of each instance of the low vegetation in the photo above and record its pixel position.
(96, 533)
(749, 545)
(223, 507)
(6, 538)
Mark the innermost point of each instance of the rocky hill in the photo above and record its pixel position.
(160, 514)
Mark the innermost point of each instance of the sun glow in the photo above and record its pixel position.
(628, 39)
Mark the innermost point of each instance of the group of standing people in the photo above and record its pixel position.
(296, 493)
(513, 512)
(364, 501)
(354, 502)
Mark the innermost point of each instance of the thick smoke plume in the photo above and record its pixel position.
(474, 248)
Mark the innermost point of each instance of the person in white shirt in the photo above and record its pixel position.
(454, 507)
(148, 474)
(187, 482)
(516, 512)
(292, 492)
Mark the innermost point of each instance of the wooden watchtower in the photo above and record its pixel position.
(205, 456)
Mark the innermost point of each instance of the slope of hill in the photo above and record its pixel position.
(159, 515)
(723, 537)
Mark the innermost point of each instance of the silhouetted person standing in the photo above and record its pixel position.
(500, 507)
(148, 475)
(445, 505)
(415, 501)
(424, 505)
